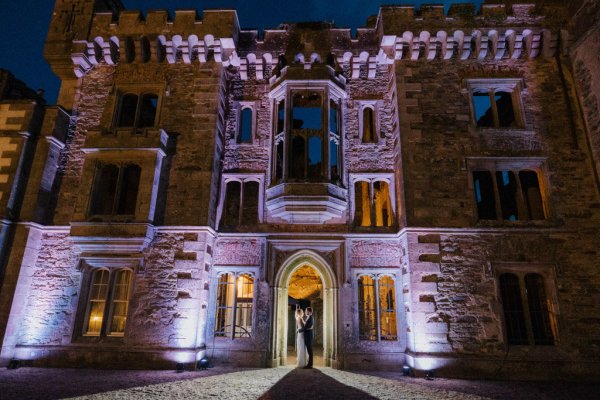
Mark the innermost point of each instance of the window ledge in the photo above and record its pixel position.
(306, 203)
(112, 237)
(542, 223)
(151, 139)
(490, 130)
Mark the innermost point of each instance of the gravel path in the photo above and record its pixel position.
(267, 384)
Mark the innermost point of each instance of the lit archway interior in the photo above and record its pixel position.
(305, 289)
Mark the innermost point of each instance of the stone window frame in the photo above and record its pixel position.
(122, 166)
(88, 265)
(150, 163)
(373, 105)
(372, 177)
(494, 164)
(138, 90)
(219, 270)
(284, 93)
(242, 105)
(394, 274)
(514, 86)
(245, 177)
(548, 272)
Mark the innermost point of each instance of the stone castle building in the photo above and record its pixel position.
(429, 184)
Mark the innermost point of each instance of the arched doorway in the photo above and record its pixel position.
(305, 290)
(313, 265)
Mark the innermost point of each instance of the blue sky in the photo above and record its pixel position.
(23, 25)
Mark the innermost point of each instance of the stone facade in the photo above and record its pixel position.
(238, 159)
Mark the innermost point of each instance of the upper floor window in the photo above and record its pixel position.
(115, 189)
(509, 195)
(235, 296)
(307, 125)
(368, 125)
(377, 308)
(529, 317)
(242, 201)
(509, 189)
(246, 124)
(108, 302)
(496, 103)
(137, 111)
(372, 202)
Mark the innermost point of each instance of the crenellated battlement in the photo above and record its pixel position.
(217, 22)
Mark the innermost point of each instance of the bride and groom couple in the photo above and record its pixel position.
(304, 337)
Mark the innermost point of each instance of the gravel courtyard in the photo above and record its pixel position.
(267, 384)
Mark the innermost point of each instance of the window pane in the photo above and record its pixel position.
(130, 182)
(246, 126)
(104, 190)
(362, 204)
(333, 161)
(231, 208)
(514, 317)
(539, 310)
(531, 191)
(279, 162)
(148, 111)
(484, 194)
(280, 116)
(120, 302)
(297, 158)
(333, 117)
(306, 111)
(127, 110)
(250, 207)
(225, 300)
(382, 203)
(387, 308)
(368, 134)
(97, 302)
(507, 191)
(483, 109)
(315, 156)
(243, 309)
(367, 313)
(506, 113)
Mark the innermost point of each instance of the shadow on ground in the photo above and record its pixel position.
(312, 384)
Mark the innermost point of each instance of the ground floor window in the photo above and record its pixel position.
(377, 308)
(235, 296)
(108, 302)
(528, 313)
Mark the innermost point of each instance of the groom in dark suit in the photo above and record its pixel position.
(308, 336)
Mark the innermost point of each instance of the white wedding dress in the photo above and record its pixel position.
(301, 354)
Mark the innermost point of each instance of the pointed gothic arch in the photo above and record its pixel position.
(329, 317)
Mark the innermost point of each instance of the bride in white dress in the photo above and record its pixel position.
(301, 354)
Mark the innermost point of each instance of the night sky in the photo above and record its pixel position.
(24, 23)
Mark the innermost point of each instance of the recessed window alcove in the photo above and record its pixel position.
(306, 185)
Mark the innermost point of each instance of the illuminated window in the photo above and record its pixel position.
(496, 102)
(508, 195)
(235, 296)
(377, 308)
(115, 189)
(241, 204)
(137, 111)
(108, 302)
(372, 203)
(528, 314)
